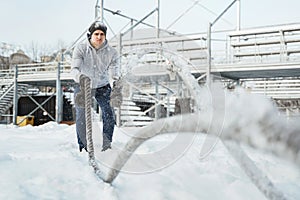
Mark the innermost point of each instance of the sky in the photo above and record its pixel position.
(60, 22)
(43, 162)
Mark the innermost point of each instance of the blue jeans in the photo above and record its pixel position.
(102, 96)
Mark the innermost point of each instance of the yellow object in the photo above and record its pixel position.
(25, 120)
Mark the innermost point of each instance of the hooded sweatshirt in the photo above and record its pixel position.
(95, 63)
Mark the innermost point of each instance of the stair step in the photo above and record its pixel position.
(7, 101)
(135, 123)
(136, 118)
(124, 107)
(128, 103)
(132, 115)
(132, 112)
(7, 98)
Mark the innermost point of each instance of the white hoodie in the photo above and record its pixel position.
(95, 63)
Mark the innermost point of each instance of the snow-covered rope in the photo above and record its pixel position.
(85, 85)
(88, 117)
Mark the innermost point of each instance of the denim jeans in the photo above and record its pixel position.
(102, 96)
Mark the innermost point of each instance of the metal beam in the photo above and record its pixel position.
(139, 22)
(118, 12)
(15, 104)
(99, 10)
(58, 106)
(158, 19)
(40, 106)
(238, 27)
(210, 24)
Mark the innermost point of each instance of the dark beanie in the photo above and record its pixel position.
(97, 25)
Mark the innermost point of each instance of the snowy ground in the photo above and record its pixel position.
(43, 162)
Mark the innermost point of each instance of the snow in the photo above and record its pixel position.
(43, 162)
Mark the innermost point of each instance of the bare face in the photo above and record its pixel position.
(97, 39)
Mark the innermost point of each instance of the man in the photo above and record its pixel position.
(95, 58)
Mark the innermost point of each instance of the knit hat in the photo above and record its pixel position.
(97, 25)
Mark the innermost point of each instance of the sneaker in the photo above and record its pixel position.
(81, 147)
(106, 147)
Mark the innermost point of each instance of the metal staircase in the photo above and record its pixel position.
(132, 115)
(283, 91)
(7, 93)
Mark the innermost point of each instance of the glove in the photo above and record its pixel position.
(116, 78)
(80, 99)
(76, 78)
(116, 94)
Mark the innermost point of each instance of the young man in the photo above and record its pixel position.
(94, 58)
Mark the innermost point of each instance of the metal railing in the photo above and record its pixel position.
(275, 88)
(265, 45)
(7, 76)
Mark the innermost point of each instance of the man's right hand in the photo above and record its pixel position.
(82, 78)
(79, 77)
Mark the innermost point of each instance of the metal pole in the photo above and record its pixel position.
(223, 13)
(96, 9)
(58, 107)
(15, 105)
(238, 27)
(208, 70)
(157, 111)
(118, 109)
(132, 19)
(120, 51)
(168, 103)
(139, 22)
(131, 33)
(99, 10)
(158, 20)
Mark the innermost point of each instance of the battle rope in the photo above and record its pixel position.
(88, 117)
(259, 179)
(263, 183)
